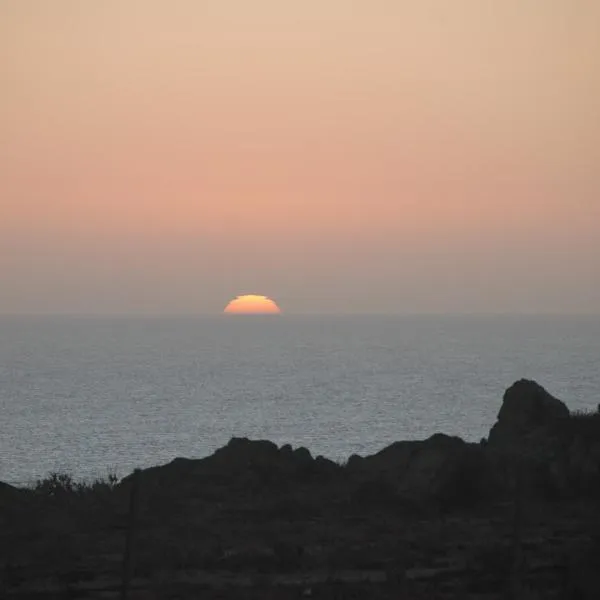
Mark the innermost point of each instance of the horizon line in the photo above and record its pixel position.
(304, 314)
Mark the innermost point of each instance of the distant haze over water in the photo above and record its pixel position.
(92, 394)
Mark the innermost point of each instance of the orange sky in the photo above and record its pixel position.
(338, 156)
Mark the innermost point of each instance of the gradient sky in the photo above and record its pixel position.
(164, 156)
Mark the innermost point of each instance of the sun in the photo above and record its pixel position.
(252, 304)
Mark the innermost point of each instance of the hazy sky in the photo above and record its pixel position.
(164, 156)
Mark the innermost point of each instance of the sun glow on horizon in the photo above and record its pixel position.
(252, 304)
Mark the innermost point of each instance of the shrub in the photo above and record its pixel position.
(584, 423)
(62, 484)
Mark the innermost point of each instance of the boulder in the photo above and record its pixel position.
(553, 449)
(526, 407)
(303, 455)
(446, 470)
(242, 453)
(242, 465)
(442, 469)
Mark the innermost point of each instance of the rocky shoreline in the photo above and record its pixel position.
(515, 516)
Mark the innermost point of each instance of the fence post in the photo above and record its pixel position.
(128, 556)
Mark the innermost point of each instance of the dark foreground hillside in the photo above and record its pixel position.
(516, 516)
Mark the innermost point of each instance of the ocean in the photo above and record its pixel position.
(93, 395)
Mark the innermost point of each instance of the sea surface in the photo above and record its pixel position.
(90, 396)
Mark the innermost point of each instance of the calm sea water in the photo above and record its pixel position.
(89, 395)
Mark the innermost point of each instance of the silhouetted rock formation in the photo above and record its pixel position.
(242, 463)
(435, 518)
(442, 470)
(556, 453)
(526, 407)
(264, 457)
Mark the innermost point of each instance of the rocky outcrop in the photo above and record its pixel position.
(526, 407)
(253, 518)
(443, 470)
(535, 437)
(555, 454)
(243, 465)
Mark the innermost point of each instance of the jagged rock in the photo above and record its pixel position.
(253, 518)
(556, 453)
(242, 464)
(442, 469)
(325, 465)
(303, 454)
(242, 452)
(448, 470)
(286, 449)
(536, 435)
(354, 462)
(526, 406)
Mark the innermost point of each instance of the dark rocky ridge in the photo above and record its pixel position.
(420, 519)
(526, 407)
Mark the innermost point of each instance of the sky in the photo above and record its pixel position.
(339, 156)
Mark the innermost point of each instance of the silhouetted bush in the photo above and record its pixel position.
(62, 484)
(583, 423)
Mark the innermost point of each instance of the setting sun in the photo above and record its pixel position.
(251, 304)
